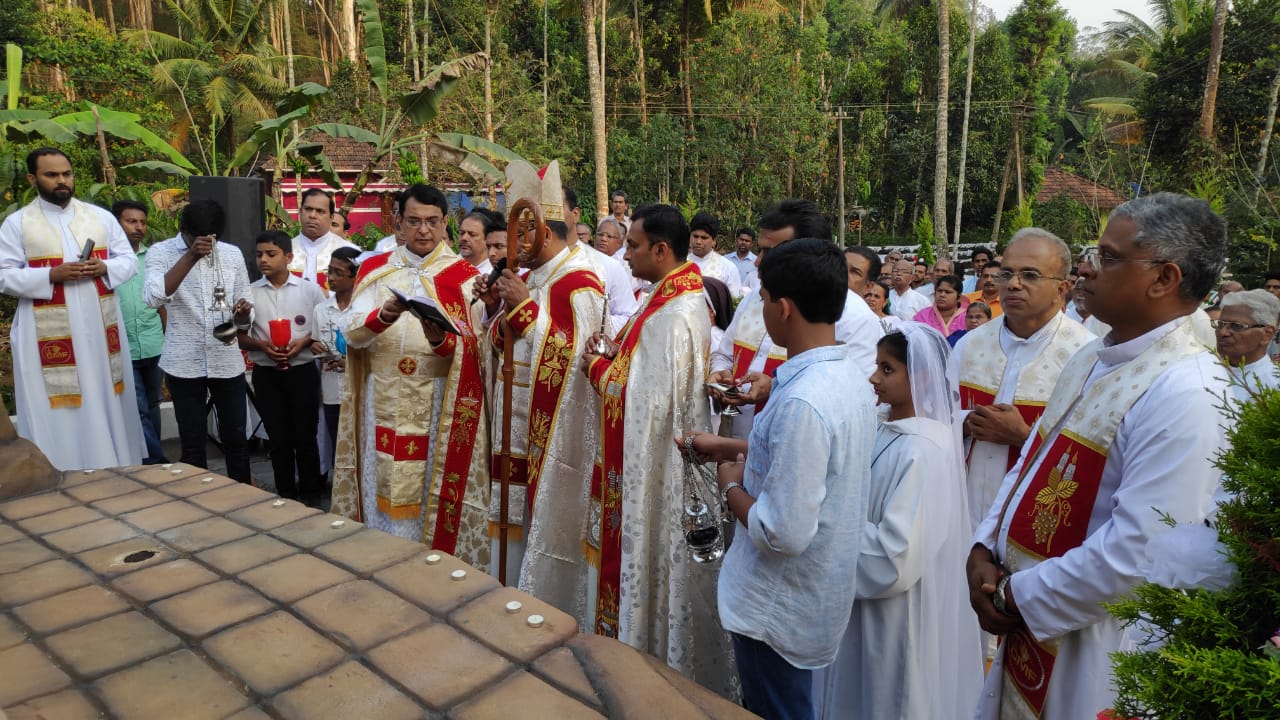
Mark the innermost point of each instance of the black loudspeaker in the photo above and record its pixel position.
(244, 200)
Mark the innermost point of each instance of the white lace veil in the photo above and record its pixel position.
(935, 393)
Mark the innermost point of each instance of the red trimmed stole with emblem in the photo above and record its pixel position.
(610, 380)
(466, 408)
(972, 396)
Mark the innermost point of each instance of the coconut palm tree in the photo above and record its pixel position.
(219, 70)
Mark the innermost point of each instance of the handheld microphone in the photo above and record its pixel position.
(498, 267)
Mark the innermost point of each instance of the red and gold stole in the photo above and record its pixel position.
(1052, 516)
(748, 335)
(610, 380)
(555, 360)
(983, 363)
(461, 419)
(42, 242)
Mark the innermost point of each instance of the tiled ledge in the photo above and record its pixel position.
(168, 592)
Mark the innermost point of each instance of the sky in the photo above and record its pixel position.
(1085, 12)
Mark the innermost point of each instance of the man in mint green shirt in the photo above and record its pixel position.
(145, 327)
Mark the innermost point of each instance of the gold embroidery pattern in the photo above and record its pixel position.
(1052, 502)
(407, 366)
(555, 356)
(615, 380)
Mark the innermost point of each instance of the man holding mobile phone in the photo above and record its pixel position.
(69, 351)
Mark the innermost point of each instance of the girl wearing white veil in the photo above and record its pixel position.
(912, 647)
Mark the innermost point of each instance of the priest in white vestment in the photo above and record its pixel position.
(911, 649)
(313, 247)
(1127, 442)
(413, 451)
(746, 354)
(703, 229)
(1007, 367)
(555, 413)
(73, 383)
(1248, 322)
(647, 591)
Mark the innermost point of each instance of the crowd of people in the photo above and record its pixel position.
(928, 482)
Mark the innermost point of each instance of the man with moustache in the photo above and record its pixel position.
(75, 397)
(316, 243)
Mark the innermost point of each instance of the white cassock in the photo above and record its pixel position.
(618, 287)
(1160, 465)
(714, 265)
(105, 430)
(858, 327)
(911, 649)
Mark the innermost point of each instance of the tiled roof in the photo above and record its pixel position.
(1086, 192)
(346, 155)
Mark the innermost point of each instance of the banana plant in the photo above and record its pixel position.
(19, 125)
(283, 137)
(473, 155)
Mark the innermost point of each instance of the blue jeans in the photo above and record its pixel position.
(772, 688)
(147, 377)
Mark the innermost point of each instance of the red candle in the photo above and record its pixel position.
(281, 333)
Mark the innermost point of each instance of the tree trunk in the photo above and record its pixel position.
(488, 71)
(940, 131)
(350, 40)
(288, 42)
(604, 46)
(1264, 148)
(1211, 76)
(111, 16)
(413, 40)
(640, 71)
(546, 74)
(1004, 188)
(108, 171)
(964, 127)
(1017, 155)
(686, 62)
(595, 84)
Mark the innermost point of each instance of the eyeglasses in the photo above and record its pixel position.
(413, 223)
(1234, 327)
(1102, 261)
(1026, 277)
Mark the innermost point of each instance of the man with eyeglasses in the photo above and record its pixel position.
(412, 432)
(988, 288)
(1248, 322)
(904, 300)
(1125, 448)
(1007, 367)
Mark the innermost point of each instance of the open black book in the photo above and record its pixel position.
(424, 308)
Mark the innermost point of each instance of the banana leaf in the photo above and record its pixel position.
(491, 150)
(45, 128)
(423, 102)
(266, 131)
(375, 51)
(304, 95)
(140, 168)
(123, 125)
(342, 130)
(13, 73)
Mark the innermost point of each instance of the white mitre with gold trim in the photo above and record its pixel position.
(526, 182)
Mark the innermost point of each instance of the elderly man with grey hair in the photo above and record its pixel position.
(1248, 322)
(1126, 442)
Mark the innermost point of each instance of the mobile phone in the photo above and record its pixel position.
(87, 252)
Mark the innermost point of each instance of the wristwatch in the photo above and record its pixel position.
(999, 599)
(724, 492)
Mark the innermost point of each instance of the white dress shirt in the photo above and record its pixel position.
(295, 301)
(906, 305)
(190, 349)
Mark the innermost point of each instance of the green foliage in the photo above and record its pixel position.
(924, 236)
(1063, 216)
(1211, 664)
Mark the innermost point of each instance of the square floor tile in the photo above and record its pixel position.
(165, 473)
(110, 487)
(198, 612)
(70, 608)
(224, 500)
(162, 517)
(348, 691)
(149, 691)
(240, 555)
(431, 584)
(534, 698)
(25, 672)
(60, 520)
(266, 515)
(382, 614)
(95, 534)
(112, 643)
(163, 580)
(32, 505)
(273, 652)
(292, 578)
(369, 551)
(121, 504)
(204, 534)
(15, 556)
(128, 556)
(439, 665)
(196, 484)
(66, 705)
(487, 620)
(42, 580)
